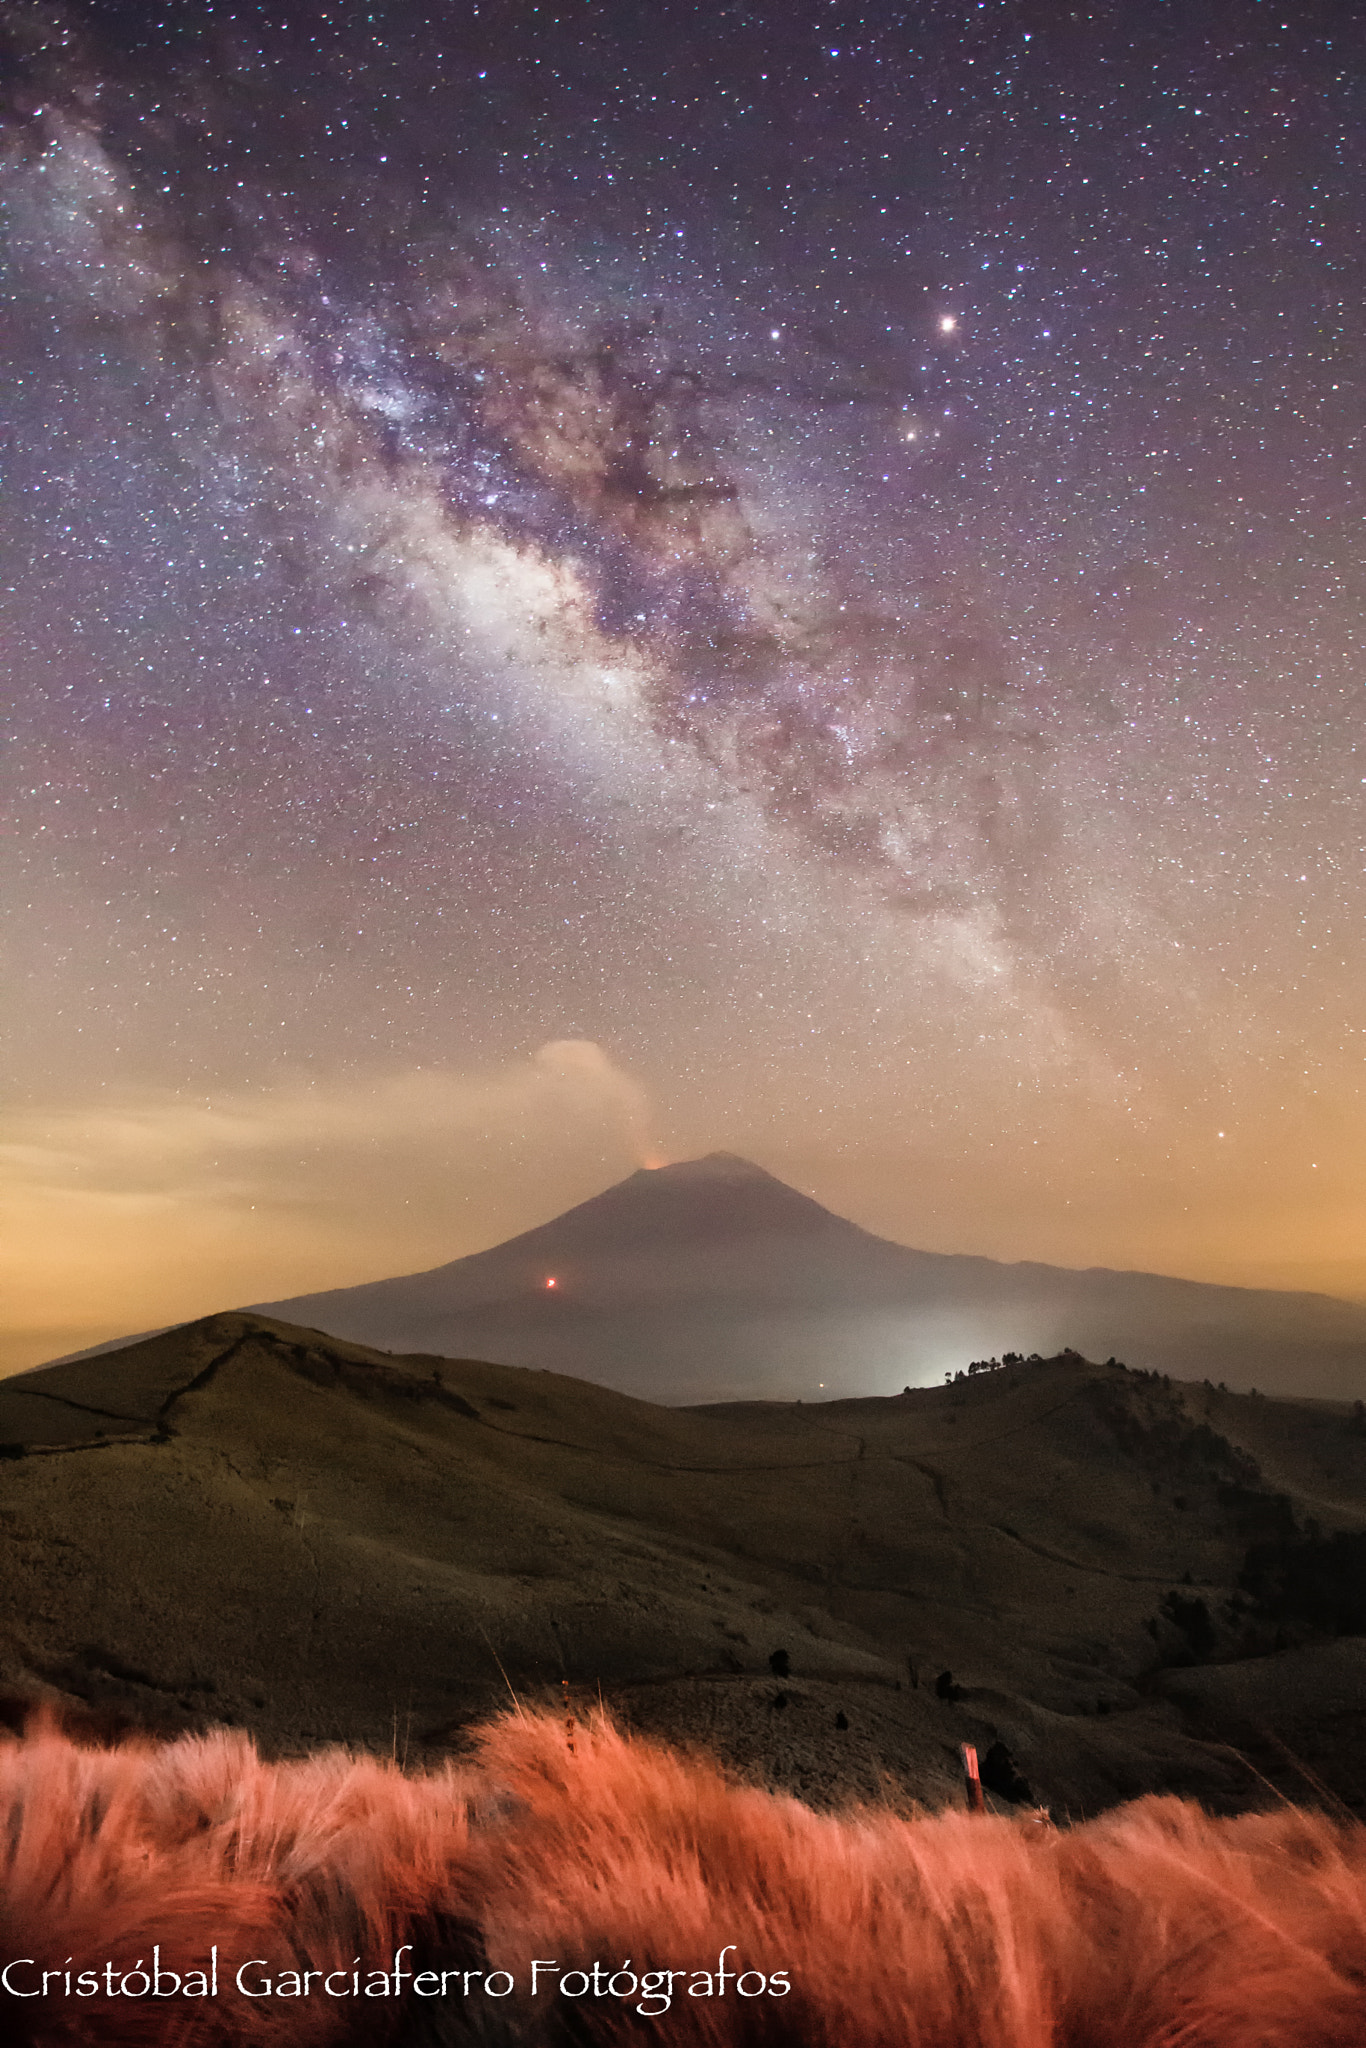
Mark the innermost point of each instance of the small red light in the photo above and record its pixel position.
(552, 1283)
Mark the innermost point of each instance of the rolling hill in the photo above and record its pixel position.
(1112, 1576)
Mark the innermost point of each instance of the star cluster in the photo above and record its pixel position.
(813, 550)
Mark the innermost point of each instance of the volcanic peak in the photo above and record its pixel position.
(710, 1167)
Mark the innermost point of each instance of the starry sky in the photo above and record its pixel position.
(586, 583)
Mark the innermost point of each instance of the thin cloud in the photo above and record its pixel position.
(126, 1215)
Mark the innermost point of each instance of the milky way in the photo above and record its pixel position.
(812, 552)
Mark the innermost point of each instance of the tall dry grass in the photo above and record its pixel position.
(1154, 1927)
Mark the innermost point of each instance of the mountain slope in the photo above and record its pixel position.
(247, 1521)
(712, 1280)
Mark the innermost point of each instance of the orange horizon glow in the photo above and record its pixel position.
(124, 1216)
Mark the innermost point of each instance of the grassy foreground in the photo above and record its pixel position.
(208, 1896)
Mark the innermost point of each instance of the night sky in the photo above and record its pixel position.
(582, 584)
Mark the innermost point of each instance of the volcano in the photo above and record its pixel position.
(712, 1280)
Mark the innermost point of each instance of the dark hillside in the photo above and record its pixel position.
(1092, 1567)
